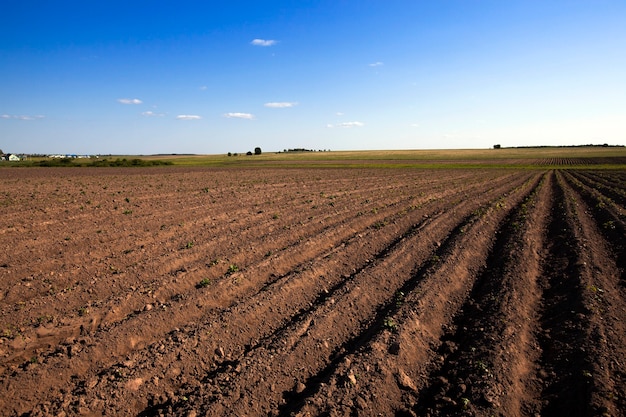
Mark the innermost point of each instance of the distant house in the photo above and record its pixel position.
(13, 157)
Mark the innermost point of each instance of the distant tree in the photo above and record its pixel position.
(230, 154)
(248, 153)
(496, 146)
(257, 151)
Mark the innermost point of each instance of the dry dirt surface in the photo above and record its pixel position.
(338, 292)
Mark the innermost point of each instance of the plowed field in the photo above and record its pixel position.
(312, 291)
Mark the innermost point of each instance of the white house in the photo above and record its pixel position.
(13, 157)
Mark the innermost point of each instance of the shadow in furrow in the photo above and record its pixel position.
(563, 320)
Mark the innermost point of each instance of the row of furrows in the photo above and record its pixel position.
(600, 269)
(569, 363)
(215, 237)
(327, 288)
(386, 374)
(171, 236)
(116, 335)
(167, 198)
(615, 179)
(609, 216)
(573, 162)
(334, 327)
(196, 188)
(252, 312)
(599, 196)
(358, 250)
(288, 289)
(180, 267)
(233, 204)
(562, 161)
(167, 258)
(604, 186)
(185, 271)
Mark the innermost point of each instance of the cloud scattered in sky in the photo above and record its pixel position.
(376, 64)
(21, 117)
(188, 117)
(129, 101)
(346, 124)
(263, 42)
(239, 116)
(281, 105)
(152, 114)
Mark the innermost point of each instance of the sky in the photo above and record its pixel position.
(207, 77)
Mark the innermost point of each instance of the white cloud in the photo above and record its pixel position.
(281, 105)
(188, 117)
(346, 124)
(339, 113)
(239, 116)
(376, 64)
(203, 88)
(415, 125)
(21, 117)
(129, 101)
(263, 42)
(152, 114)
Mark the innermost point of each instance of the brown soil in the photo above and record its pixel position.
(197, 291)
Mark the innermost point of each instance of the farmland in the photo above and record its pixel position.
(327, 284)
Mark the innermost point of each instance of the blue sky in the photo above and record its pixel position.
(146, 77)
